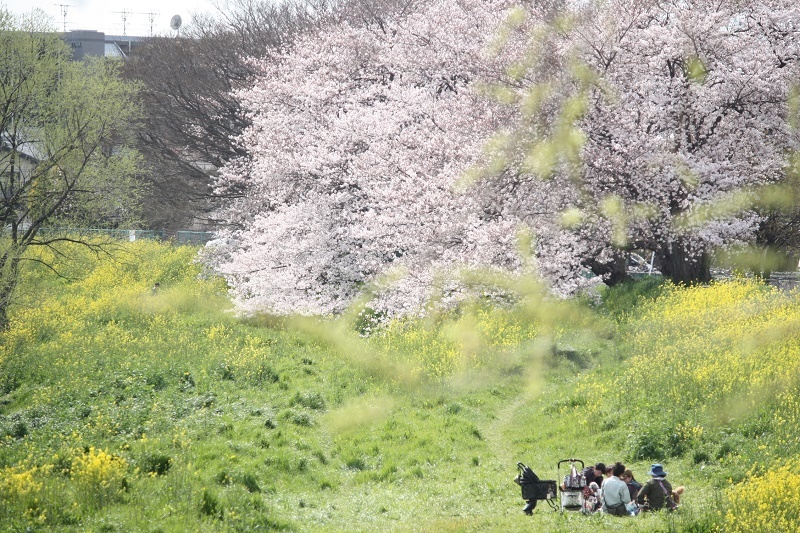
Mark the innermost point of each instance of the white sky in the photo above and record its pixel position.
(107, 15)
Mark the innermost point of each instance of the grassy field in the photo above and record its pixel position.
(122, 409)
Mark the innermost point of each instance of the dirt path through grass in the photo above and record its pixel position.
(497, 438)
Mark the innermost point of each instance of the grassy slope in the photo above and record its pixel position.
(222, 424)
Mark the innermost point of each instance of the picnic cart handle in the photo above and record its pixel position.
(570, 461)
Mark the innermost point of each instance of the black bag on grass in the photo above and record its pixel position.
(532, 487)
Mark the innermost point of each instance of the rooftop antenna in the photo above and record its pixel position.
(125, 14)
(151, 16)
(64, 14)
(175, 23)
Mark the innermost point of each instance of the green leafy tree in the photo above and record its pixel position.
(64, 155)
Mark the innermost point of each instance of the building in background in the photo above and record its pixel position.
(86, 43)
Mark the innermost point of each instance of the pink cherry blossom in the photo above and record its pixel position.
(388, 157)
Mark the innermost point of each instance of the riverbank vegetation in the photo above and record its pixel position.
(124, 408)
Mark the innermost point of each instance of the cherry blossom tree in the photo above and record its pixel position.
(357, 143)
(678, 112)
(689, 121)
(430, 137)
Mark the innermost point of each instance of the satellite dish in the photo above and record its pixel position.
(175, 22)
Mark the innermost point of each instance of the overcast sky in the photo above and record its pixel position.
(141, 17)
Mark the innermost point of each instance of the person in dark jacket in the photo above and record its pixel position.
(656, 494)
(595, 473)
(633, 485)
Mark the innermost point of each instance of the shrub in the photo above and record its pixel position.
(210, 506)
(99, 477)
(18, 482)
(298, 419)
(186, 381)
(706, 356)
(264, 374)
(250, 483)
(765, 503)
(156, 464)
(355, 463)
(309, 400)
(21, 490)
(225, 372)
(223, 478)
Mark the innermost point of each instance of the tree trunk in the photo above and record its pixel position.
(614, 271)
(9, 276)
(3, 316)
(6, 291)
(682, 267)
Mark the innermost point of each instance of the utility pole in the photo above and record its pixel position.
(152, 21)
(64, 15)
(124, 14)
(152, 17)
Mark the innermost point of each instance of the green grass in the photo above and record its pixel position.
(215, 423)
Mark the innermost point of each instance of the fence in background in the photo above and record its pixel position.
(193, 237)
(180, 237)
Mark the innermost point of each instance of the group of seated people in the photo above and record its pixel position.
(614, 490)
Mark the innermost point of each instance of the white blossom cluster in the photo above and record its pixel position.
(386, 158)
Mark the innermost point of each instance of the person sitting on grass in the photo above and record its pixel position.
(656, 494)
(595, 473)
(591, 498)
(615, 493)
(633, 485)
